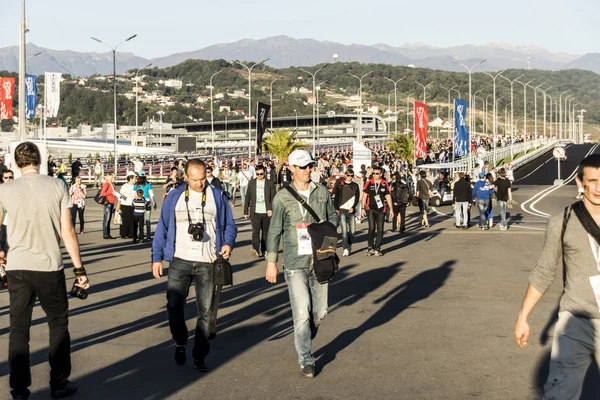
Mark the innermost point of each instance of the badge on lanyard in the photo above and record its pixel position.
(304, 241)
(378, 201)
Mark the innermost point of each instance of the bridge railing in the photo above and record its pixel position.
(494, 156)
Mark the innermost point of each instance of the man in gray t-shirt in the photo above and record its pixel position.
(40, 210)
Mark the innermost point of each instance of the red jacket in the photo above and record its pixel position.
(108, 191)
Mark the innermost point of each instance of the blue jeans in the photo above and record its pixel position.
(147, 216)
(243, 190)
(502, 208)
(483, 206)
(181, 275)
(308, 299)
(108, 211)
(348, 224)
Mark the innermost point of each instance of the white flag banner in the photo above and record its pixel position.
(52, 93)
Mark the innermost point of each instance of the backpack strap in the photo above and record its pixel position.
(304, 203)
(566, 217)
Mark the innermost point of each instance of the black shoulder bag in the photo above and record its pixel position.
(324, 242)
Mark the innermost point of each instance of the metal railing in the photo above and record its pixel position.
(500, 153)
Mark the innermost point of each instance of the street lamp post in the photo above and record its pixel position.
(494, 77)
(212, 119)
(22, 63)
(424, 89)
(495, 135)
(160, 115)
(544, 91)
(395, 99)
(535, 119)
(568, 117)
(314, 75)
(560, 119)
(470, 103)
(485, 114)
(271, 99)
(410, 97)
(566, 121)
(114, 52)
(136, 105)
(525, 108)
(250, 100)
(512, 112)
(360, 102)
(552, 115)
(317, 90)
(449, 101)
(475, 109)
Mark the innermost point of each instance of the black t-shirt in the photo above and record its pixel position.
(51, 166)
(75, 168)
(372, 189)
(502, 186)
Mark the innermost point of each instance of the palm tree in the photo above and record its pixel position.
(280, 143)
(403, 146)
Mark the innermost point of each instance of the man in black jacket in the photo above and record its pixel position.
(400, 199)
(258, 207)
(347, 195)
(285, 177)
(461, 197)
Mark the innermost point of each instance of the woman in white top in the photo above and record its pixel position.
(125, 205)
(78, 193)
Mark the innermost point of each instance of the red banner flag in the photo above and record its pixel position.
(421, 121)
(7, 89)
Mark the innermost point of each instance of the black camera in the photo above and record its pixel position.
(78, 292)
(197, 231)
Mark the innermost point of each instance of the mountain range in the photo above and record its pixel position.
(284, 51)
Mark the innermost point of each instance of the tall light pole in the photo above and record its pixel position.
(568, 118)
(494, 77)
(410, 97)
(212, 118)
(160, 115)
(544, 91)
(551, 115)
(22, 62)
(360, 101)
(485, 114)
(314, 93)
(271, 99)
(560, 120)
(495, 135)
(250, 100)
(525, 108)
(459, 95)
(566, 123)
(470, 103)
(136, 105)
(317, 90)
(475, 109)
(395, 99)
(580, 116)
(114, 52)
(424, 89)
(296, 112)
(449, 101)
(512, 112)
(535, 119)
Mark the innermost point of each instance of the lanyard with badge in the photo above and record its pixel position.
(196, 230)
(377, 197)
(595, 280)
(304, 240)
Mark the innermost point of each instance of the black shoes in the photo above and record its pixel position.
(180, 356)
(308, 371)
(200, 365)
(69, 389)
(108, 237)
(22, 394)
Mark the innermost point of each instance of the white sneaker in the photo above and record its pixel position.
(346, 253)
(503, 228)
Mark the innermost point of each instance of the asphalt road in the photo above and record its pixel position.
(432, 319)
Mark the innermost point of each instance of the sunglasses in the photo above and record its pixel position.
(259, 174)
(8, 177)
(376, 173)
(306, 166)
(351, 176)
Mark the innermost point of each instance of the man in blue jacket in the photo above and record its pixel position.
(195, 227)
(483, 190)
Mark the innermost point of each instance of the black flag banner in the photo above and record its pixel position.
(262, 112)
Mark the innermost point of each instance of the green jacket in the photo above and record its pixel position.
(286, 214)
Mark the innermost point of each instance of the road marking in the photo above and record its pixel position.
(542, 194)
(527, 227)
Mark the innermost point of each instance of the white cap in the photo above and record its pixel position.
(131, 173)
(300, 158)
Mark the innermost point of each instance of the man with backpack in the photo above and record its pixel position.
(573, 240)
(400, 198)
(347, 196)
(290, 223)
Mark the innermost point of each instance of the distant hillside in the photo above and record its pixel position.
(284, 52)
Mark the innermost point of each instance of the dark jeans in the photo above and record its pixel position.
(108, 211)
(260, 230)
(348, 224)
(181, 274)
(483, 205)
(399, 210)
(376, 220)
(138, 224)
(51, 289)
(74, 211)
(126, 228)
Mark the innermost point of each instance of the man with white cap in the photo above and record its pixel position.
(289, 221)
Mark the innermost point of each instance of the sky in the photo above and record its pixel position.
(167, 27)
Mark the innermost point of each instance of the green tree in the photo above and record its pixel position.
(403, 146)
(280, 143)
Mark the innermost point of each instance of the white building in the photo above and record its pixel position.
(172, 83)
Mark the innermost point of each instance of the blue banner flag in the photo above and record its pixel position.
(31, 95)
(461, 133)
